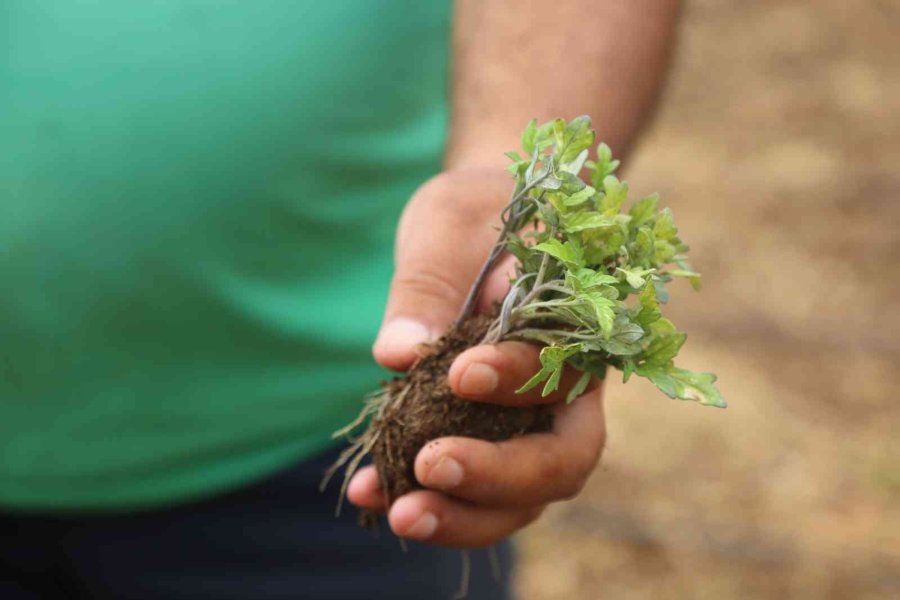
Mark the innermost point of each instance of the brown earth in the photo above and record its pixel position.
(777, 147)
(421, 407)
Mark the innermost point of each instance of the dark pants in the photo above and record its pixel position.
(278, 539)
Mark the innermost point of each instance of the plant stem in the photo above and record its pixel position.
(509, 226)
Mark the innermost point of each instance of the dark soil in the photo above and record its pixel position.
(421, 408)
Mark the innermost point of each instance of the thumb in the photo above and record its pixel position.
(443, 239)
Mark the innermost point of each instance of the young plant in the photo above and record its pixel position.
(589, 286)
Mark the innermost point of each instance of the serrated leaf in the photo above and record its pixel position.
(615, 194)
(586, 279)
(604, 166)
(627, 370)
(575, 166)
(648, 311)
(568, 253)
(663, 348)
(534, 381)
(663, 251)
(660, 378)
(643, 247)
(626, 331)
(551, 183)
(662, 294)
(528, 136)
(600, 256)
(532, 165)
(691, 276)
(574, 138)
(699, 387)
(552, 382)
(664, 228)
(580, 197)
(644, 210)
(603, 310)
(586, 221)
(578, 388)
(663, 326)
(636, 278)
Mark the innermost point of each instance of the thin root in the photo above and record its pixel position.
(464, 576)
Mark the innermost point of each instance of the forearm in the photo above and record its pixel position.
(514, 60)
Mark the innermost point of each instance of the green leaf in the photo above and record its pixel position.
(585, 221)
(663, 251)
(625, 338)
(587, 279)
(603, 309)
(592, 257)
(569, 253)
(648, 307)
(663, 348)
(627, 370)
(662, 294)
(580, 197)
(616, 192)
(552, 360)
(534, 381)
(604, 166)
(664, 228)
(573, 138)
(571, 183)
(643, 248)
(644, 210)
(552, 382)
(660, 378)
(698, 386)
(575, 166)
(691, 276)
(636, 278)
(579, 387)
(683, 384)
(551, 183)
(528, 136)
(590, 362)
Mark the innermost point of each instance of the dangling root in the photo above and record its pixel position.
(410, 412)
(464, 576)
(376, 404)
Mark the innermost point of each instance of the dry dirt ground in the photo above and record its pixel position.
(777, 147)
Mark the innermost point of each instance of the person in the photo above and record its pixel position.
(198, 201)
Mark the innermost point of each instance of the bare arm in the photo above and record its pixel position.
(514, 60)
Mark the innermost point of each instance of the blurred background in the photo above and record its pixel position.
(777, 146)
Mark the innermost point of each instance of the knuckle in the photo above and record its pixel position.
(563, 476)
(530, 515)
(558, 476)
(575, 485)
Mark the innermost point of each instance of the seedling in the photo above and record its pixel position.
(589, 285)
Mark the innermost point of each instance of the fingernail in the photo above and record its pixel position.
(401, 335)
(446, 474)
(423, 528)
(479, 379)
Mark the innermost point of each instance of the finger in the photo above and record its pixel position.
(365, 490)
(432, 517)
(527, 470)
(493, 373)
(442, 241)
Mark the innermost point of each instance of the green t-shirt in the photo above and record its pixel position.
(197, 207)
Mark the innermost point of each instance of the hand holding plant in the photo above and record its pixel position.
(588, 286)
